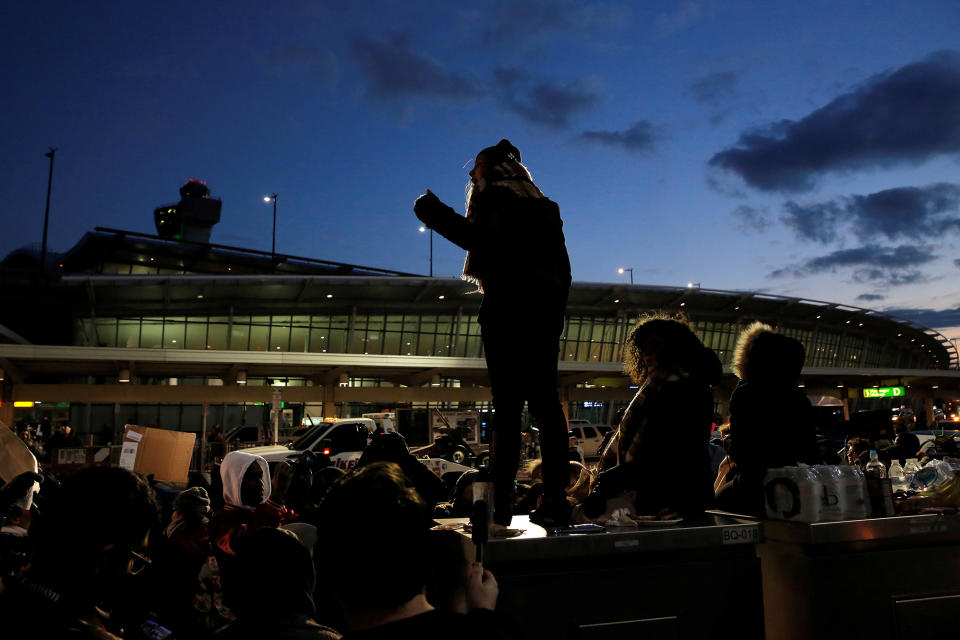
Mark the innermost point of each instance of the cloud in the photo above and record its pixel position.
(393, 70)
(928, 317)
(751, 219)
(545, 103)
(638, 137)
(904, 117)
(715, 88)
(870, 297)
(956, 262)
(815, 222)
(916, 213)
(870, 263)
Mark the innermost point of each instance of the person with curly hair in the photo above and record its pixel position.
(660, 449)
(517, 257)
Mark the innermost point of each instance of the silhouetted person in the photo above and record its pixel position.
(660, 449)
(379, 528)
(771, 420)
(517, 256)
(274, 593)
(91, 537)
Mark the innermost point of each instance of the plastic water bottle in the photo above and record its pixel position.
(809, 488)
(831, 492)
(909, 473)
(895, 473)
(875, 467)
(855, 501)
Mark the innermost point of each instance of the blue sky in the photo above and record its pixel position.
(800, 148)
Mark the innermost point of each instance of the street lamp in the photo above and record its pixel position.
(273, 247)
(691, 285)
(622, 269)
(46, 212)
(423, 230)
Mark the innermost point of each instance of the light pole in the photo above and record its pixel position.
(46, 212)
(691, 285)
(422, 230)
(622, 269)
(273, 247)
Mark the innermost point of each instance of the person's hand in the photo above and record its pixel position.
(282, 478)
(425, 203)
(482, 589)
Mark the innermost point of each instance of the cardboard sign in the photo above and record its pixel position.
(15, 456)
(164, 454)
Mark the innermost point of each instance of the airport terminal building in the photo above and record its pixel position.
(130, 327)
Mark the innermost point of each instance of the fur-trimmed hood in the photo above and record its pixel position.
(764, 356)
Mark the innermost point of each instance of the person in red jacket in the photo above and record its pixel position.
(246, 485)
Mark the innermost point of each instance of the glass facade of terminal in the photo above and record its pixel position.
(585, 338)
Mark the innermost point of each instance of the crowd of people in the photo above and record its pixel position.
(305, 550)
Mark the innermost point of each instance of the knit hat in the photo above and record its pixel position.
(501, 152)
(193, 501)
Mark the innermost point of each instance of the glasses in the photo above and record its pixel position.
(138, 562)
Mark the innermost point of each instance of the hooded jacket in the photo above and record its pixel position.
(236, 519)
(771, 420)
(232, 469)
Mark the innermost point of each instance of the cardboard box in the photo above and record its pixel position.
(164, 454)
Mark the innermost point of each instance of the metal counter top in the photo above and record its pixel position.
(917, 526)
(709, 531)
(939, 527)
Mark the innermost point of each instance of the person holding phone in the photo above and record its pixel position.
(517, 257)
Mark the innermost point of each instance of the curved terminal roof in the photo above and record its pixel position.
(196, 294)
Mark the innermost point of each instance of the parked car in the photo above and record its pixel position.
(590, 437)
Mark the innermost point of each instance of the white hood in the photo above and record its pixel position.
(234, 465)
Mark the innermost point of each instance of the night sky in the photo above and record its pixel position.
(804, 148)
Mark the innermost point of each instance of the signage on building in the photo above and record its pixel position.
(883, 392)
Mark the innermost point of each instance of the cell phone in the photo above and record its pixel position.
(577, 528)
(151, 630)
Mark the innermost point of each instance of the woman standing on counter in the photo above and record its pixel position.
(517, 256)
(660, 450)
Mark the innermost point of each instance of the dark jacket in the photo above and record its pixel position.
(771, 425)
(666, 430)
(517, 249)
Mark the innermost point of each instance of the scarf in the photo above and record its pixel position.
(512, 176)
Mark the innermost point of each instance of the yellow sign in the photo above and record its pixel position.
(883, 392)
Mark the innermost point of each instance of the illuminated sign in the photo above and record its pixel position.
(23, 404)
(883, 392)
